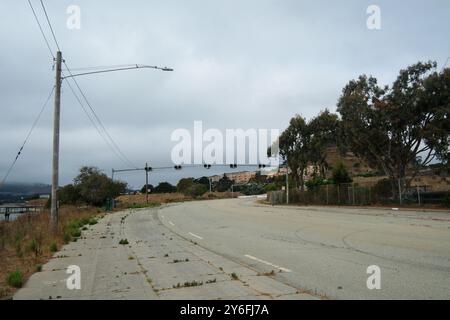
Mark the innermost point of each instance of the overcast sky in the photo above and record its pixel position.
(238, 64)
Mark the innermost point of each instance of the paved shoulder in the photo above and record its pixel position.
(155, 264)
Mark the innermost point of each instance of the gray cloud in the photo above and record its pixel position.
(238, 64)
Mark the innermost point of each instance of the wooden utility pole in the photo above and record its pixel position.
(146, 182)
(56, 126)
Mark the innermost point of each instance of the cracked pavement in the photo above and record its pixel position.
(156, 264)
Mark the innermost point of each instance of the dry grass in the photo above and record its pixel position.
(27, 243)
(130, 200)
(127, 201)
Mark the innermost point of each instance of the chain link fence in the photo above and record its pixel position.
(352, 194)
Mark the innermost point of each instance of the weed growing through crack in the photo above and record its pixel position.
(188, 284)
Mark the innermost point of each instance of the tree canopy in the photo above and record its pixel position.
(92, 187)
(396, 129)
(404, 126)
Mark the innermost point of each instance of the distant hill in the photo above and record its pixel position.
(17, 191)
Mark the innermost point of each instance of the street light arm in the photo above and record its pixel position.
(118, 69)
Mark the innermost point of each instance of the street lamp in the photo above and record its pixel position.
(56, 123)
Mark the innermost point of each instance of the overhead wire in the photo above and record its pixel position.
(27, 138)
(106, 135)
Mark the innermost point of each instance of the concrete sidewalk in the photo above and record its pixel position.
(156, 264)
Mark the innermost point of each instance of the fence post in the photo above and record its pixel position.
(327, 194)
(339, 193)
(353, 193)
(348, 194)
(418, 194)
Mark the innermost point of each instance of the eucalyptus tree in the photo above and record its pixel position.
(295, 148)
(400, 128)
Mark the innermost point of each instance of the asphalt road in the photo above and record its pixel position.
(325, 251)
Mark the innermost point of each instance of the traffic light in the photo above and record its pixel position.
(262, 166)
(148, 169)
(207, 166)
(178, 167)
(233, 166)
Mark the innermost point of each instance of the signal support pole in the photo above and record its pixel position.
(287, 186)
(56, 126)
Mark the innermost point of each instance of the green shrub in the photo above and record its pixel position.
(92, 221)
(315, 182)
(75, 224)
(195, 190)
(151, 204)
(75, 233)
(67, 237)
(446, 200)
(270, 187)
(15, 279)
(53, 247)
(39, 268)
(340, 174)
(383, 188)
(35, 247)
(367, 174)
(251, 189)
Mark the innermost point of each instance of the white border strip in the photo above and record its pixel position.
(268, 263)
(194, 235)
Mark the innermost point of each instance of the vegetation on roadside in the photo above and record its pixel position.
(91, 187)
(188, 284)
(446, 201)
(15, 279)
(28, 242)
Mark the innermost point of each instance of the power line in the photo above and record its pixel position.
(27, 137)
(42, 31)
(114, 144)
(98, 119)
(97, 128)
(50, 25)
